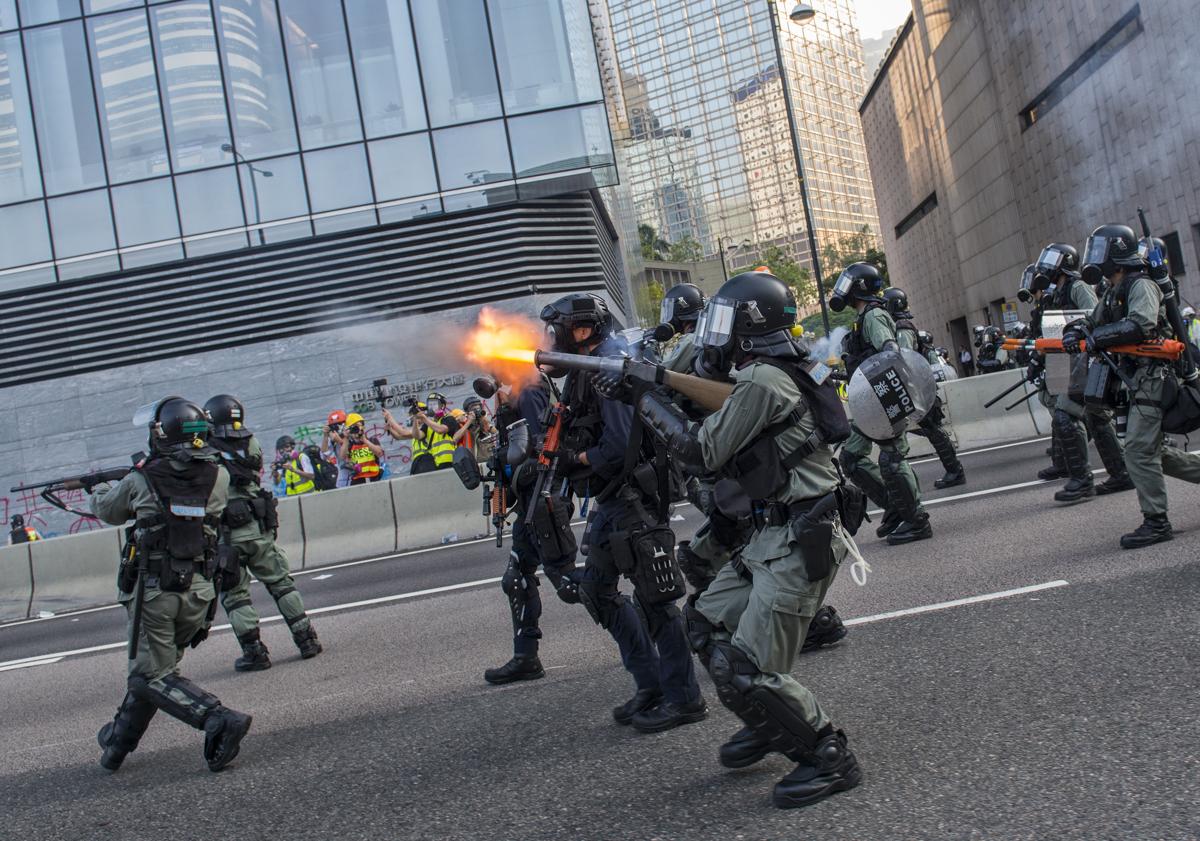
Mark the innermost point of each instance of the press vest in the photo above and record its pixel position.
(296, 484)
(363, 462)
(440, 445)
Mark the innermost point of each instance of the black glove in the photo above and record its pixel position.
(199, 637)
(1071, 339)
(612, 387)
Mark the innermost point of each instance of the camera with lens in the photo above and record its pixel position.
(410, 403)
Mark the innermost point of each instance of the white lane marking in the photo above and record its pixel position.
(984, 449)
(323, 576)
(930, 608)
(45, 661)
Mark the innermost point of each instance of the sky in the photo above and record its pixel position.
(878, 16)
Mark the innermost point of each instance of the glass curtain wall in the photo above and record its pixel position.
(134, 132)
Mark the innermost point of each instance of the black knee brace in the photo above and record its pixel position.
(900, 495)
(852, 466)
(177, 697)
(601, 600)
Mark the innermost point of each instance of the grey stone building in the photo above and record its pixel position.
(996, 126)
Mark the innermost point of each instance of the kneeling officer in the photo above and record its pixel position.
(176, 497)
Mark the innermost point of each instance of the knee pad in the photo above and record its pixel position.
(850, 461)
(511, 581)
(278, 590)
(601, 601)
(889, 462)
(1063, 422)
(699, 631)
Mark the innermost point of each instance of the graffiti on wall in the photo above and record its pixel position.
(48, 520)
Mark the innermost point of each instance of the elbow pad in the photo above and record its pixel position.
(1123, 332)
(671, 426)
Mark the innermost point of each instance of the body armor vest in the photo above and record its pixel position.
(855, 348)
(183, 499)
(243, 470)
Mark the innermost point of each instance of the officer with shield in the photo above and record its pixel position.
(933, 426)
(891, 484)
(772, 437)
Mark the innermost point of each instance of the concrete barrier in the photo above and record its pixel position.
(79, 570)
(291, 531)
(16, 582)
(348, 523)
(435, 508)
(976, 426)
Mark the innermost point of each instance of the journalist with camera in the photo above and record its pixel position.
(432, 439)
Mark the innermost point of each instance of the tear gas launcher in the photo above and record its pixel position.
(707, 394)
(1155, 349)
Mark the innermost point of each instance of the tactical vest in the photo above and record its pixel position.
(855, 348)
(904, 322)
(583, 428)
(243, 469)
(1061, 299)
(177, 530)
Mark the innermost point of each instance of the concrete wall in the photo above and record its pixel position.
(944, 115)
(404, 514)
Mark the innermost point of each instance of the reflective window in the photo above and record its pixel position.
(209, 201)
(402, 167)
(545, 52)
(150, 256)
(8, 14)
(23, 234)
(475, 154)
(276, 190)
(63, 107)
(29, 277)
(338, 178)
(93, 6)
(322, 81)
(557, 140)
(404, 211)
(389, 85)
(215, 245)
(344, 222)
(89, 268)
(473, 199)
(456, 61)
(127, 94)
(46, 11)
(19, 175)
(82, 224)
(255, 77)
(145, 212)
(186, 49)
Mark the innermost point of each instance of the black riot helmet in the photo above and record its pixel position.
(1109, 248)
(857, 282)
(896, 301)
(228, 416)
(681, 305)
(178, 427)
(752, 313)
(579, 309)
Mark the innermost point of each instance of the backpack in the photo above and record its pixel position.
(325, 475)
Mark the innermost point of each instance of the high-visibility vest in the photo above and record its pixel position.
(440, 445)
(363, 462)
(295, 483)
(28, 534)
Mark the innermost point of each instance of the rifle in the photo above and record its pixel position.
(707, 394)
(1153, 348)
(50, 490)
(551, 449)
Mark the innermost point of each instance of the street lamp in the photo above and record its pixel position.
(265, 173)
(801, 13)
(733, 248)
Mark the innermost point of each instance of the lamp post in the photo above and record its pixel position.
(265, 173)
(801, 13)
(733, 248)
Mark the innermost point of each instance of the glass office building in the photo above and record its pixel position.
(138, 133)
(707, 140)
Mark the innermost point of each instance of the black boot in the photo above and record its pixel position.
(832, 768)
(120, 736)
(255, 656)
(643, 699)
(667, 716)
(307, 642)
(1155, 528)
(956, 476)
(520, 667)
(743, 749)
(1076, 490)
(1114, 485)
(912, 530)
(1058, 467)
(826, 628)
(224, 730)
(1081, 486)
(889, 523)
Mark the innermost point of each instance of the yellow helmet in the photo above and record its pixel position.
(353, 418)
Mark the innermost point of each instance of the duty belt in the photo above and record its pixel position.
(767, 513)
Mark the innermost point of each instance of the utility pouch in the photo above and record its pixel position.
(759, 469)
(266, 511)
(1101, 387)
(656, 575)
(813, 540)
(127, 574)
(238, 513)
(175, 574)
(1181, 415)
(1077, 383)
(852, 506)
(552, 535)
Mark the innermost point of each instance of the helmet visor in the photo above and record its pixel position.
(666, 310)
(1050, 261)
(1096, 251)
(715, 327)
(843, 285)
(1028, 279)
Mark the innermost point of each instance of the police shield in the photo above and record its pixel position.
(890, 393)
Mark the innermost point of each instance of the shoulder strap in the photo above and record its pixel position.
(809, 445)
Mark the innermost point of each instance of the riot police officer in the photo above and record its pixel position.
(748, 625)
(626, 529)
(251, 518)
(1056, 279)
(933, 425)
(991, 357)
(891, 484)
(680, 309)
(1130, 311)
(521, 413)
(176, 497)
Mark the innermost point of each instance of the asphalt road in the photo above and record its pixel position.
(1066, 710)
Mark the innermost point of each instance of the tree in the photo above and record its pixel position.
(859, 247)
(790, 272)
(686, 250)
(653, 246)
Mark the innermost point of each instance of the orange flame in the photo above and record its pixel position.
(504, 343)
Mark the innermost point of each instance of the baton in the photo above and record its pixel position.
(1022, 400)
(1004, 393)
